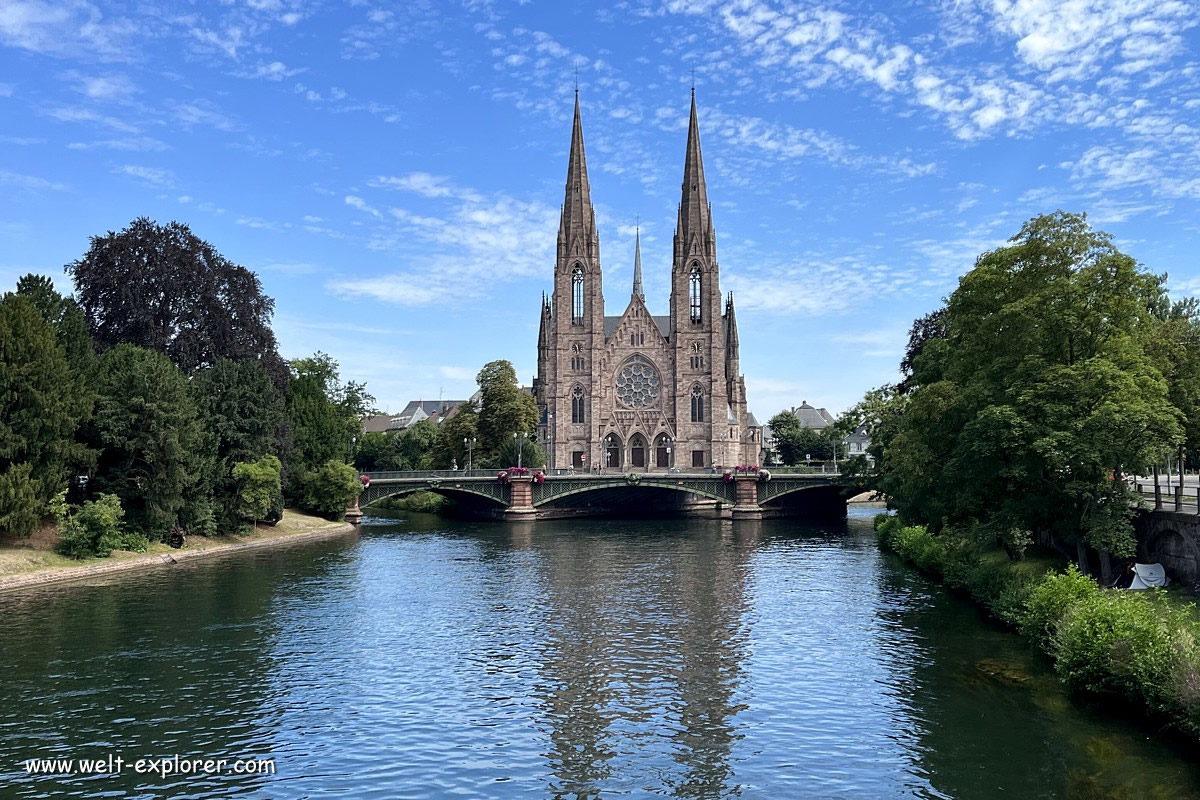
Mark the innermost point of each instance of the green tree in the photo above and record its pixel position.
(373, 452)
(149, 437)
(329, 489)
(66, 318)
(96, 529)
(42, 403)
(1042, 387)
(450, 449)
(242, 418)
(324, 415)
(163, 288)
(416, 444)
(257, 487)
(505, 409)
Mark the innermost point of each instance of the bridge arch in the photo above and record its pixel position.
(551, 492)
(472, 494)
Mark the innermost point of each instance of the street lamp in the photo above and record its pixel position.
(550, 436)
(470, 445)
(520, 438)
(670, 463)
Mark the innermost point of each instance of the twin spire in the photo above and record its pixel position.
(578, 223)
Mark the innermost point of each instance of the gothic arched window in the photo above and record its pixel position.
(578, 408)
(577, 294)
(694, 293)
(697, 404)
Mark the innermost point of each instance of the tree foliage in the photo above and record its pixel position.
(42, 402)
(97, 529)
(1043, 386)
(164, 288)
(325, 415)
(505, 409)
(329, 489)
(257, 487)
(795, 443)
(148, 433)
(453, 434)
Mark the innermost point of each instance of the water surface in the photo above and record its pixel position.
(428, 658)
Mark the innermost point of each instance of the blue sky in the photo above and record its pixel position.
(393, 171)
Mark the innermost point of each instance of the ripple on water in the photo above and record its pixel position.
(677, 659)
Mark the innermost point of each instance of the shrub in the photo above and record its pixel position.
(1117, 642)
(1050, 601)
(257, 486)
(97, 529)
(328, 490)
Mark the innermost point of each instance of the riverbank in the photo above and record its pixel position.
(1142, 648)
(33, 562)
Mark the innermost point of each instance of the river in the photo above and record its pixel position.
(427, 658)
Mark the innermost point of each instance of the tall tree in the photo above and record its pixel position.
(1042, 388)
(66, 318)
(325, 415)
(454, 436)
(42, 403)
(164, 288)
(241, 415)
(505, 409)
(147, 429)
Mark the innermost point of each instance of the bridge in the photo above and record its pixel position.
(541, 495)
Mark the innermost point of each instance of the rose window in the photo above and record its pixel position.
(638, 383)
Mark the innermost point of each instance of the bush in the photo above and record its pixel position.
(1050, 601)
(1117, 642)
(97, 529)
(329, 490)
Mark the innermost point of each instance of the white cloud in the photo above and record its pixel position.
(107, 87)
(152, 175)
(274, 71)
(28, 182)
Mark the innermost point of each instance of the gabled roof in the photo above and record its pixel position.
(429, 407)
(810, 417)
(663, 323)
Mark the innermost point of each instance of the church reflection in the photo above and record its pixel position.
(642, 658)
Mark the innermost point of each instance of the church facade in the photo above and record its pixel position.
(639, 391)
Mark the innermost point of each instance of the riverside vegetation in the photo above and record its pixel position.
(1141, 647)
(1057, 365)
(160, 380)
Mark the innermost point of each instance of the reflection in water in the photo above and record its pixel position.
(641, 661)
(426, 658)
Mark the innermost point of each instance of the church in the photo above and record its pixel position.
(638, 391)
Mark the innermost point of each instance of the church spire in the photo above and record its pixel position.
(695, 215)
(637, 264)
(578, 216)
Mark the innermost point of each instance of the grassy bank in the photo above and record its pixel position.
(36, 556)
(1141, 647)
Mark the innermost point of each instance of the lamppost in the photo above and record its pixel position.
(520, 439)
(470, 445)
(670, 463)
(550, 437)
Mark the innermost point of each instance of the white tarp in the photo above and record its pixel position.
(1148, 575)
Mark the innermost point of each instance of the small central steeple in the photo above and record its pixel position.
(578, 216)
(695, 215)
(637, 264)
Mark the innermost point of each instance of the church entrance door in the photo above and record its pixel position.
(637, 450)
(612, 451)
(662, 452)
